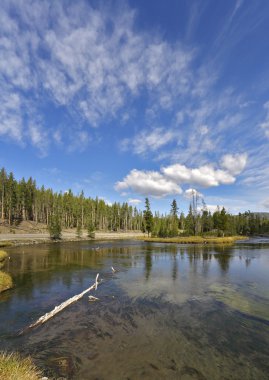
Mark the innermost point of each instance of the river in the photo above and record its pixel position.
(168, 312)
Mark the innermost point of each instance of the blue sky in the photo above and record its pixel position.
(127, 99)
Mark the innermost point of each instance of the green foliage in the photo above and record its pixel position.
(174, 209)
(91, 230)
(148, 217)
(79, 230)
(54, 227)
(23, 200)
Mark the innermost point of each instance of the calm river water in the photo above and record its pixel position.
(169, 312)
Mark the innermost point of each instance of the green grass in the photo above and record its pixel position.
(196, 240)
(13, 367)
(5, 281)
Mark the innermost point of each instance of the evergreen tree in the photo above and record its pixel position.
(54, 227)
(90, 230)
(174, 209)
(79, 229)
(148, 217)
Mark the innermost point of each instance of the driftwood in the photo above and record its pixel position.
(62, 306)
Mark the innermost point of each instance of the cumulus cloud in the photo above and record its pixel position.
(234, 163)
(205, 176)
(170, 178)
(189, 193)
(148, 183)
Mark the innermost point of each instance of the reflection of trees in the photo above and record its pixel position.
(174, 267)
(204, 253)
(248, 261)
(223, 260)
(148, 264)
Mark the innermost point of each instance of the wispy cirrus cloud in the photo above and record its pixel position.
(265, 124)
(85, 59)
(149, 141)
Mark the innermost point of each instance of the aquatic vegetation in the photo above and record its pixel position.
(244, 303)
(13, 367)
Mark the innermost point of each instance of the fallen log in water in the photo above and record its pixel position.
(62, 306)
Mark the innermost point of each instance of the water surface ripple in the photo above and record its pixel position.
(169, 312)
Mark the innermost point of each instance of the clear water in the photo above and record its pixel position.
(169, 312)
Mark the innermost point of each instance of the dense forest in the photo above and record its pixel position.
(23, 200)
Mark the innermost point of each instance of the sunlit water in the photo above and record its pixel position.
(169, 312)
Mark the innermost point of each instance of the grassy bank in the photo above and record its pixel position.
(5, 281)
(3, 255)
(196, 240)
(5, 244)
(13, 367)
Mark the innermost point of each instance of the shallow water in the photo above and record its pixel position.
(169, 312)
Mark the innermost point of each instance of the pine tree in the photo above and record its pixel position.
(174, 209)
(54, 227)
(91, 233)
(79, 229)
(148, 217)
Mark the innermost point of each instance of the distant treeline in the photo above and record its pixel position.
(219, 223)
(23, 200)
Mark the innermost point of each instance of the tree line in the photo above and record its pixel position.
(23, 201)
(200, 221)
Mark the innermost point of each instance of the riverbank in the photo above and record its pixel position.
(197, 240)
(11, 239)
(12, 366)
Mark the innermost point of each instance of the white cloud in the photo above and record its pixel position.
(11, 123)
(189, 193)
(39, 138)
(148, 183)
(170, 178)
(205, 176)
(89, 59)
(79, 142)
(265, 124)
(134, 201)
(234, 163)
(146, 141)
